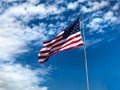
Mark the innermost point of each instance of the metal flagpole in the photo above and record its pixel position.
(85, 57)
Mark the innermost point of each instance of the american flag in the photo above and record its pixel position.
(69, 38)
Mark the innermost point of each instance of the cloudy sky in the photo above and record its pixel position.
(25, 24)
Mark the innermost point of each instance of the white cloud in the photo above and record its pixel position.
(13, 11)
(72, 6)
(97, 5)
(28, 10)
(100, 17)
(85, 9)
(101, 31)
(116, 6)
(52, 9)
(15, 35)
(10, 39)
(93, 6)
(95, 24)
(81, 1)
(59, 1)
(97, 20)
(97, 14)
(18, 77)
(33, 1)
(110, 16)
(9, 1)
(92, 41)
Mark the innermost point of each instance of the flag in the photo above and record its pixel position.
(67, 39)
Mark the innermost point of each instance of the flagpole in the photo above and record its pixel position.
(85, 56)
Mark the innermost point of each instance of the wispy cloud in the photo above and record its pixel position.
(116, 6)
(93, 6)
(15, 36)
(95, 24)
(72, 6)
(18, 77)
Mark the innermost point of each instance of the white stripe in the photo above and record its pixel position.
(74, 35)
(60, 33)
(61, 41)
(45, 49)
(57, 47)
(67, 47)
(65, 44)
(43, 54)
(41, 60)
(70, 46)
(54, 49)
(74, 39)
(45, 44)
(48, 48)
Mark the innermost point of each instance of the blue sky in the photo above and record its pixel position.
(25, 24)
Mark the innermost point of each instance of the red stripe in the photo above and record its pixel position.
(81, 44)
(52, 39)
(50, 44)
(58, 39)
(61, 39)
(41, 62)
(42, 57)
(67, 49)
(67, 41)
(73, 37)
(45, 51)
(73, 42)
(67, 45)
(64, 42)
(57, 45)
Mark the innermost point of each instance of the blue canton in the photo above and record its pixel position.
(72, 29)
